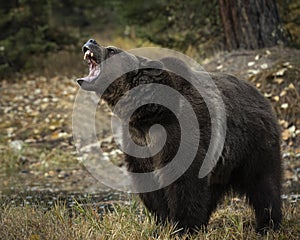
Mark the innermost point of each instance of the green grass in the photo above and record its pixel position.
(231, 221)
(38, 168)
(35, 158)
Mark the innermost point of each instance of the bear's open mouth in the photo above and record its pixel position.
(94, 66)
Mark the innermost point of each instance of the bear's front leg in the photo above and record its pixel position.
(188, 202)
(156, 203)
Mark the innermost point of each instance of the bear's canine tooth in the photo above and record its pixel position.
(86, 54)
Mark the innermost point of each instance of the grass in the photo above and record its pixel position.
(35, 159)
(233, 220)
(38, 168)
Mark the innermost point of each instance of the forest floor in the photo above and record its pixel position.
(38, 156)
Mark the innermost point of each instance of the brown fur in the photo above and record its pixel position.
(250, 163)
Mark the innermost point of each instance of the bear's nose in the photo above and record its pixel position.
(93, 41)
(90, 43)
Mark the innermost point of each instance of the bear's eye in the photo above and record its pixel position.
(111, 50)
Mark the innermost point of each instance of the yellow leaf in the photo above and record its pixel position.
(34, 237)
(52, 127)
(291, 86)
(286, 134)
(283, 93)
(280, 72)
(278, 80)
(284, 105)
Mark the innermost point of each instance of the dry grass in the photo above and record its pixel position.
(234, 220)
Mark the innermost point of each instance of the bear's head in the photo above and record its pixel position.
(113, 71)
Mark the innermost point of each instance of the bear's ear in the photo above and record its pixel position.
(152, 67)
(128, 62)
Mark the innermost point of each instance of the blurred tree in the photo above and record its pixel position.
(31, 27)
(290, 14)
(25, 30)
(251, 24)
(203, 25)
(176, 24)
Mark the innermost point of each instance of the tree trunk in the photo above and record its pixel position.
(251, 24)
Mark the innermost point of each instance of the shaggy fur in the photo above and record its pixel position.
(250, 163)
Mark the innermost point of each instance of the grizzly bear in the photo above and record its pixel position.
(250, 160)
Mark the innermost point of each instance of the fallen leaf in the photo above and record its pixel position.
(253, 71)
(288, 174)
(34, 113)
(250, 64)
(52, 127)
(291, 86)
(30, 140)
(280, 72)
(278, 80)
(285, 134)
(284, 105)
(292, 129)
(284, 123)
(268, 95)
(264, 66)
(36, 131)
(283, 93)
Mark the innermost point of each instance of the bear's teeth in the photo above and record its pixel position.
(86, 54)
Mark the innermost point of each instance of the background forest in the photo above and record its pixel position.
(35, 28)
